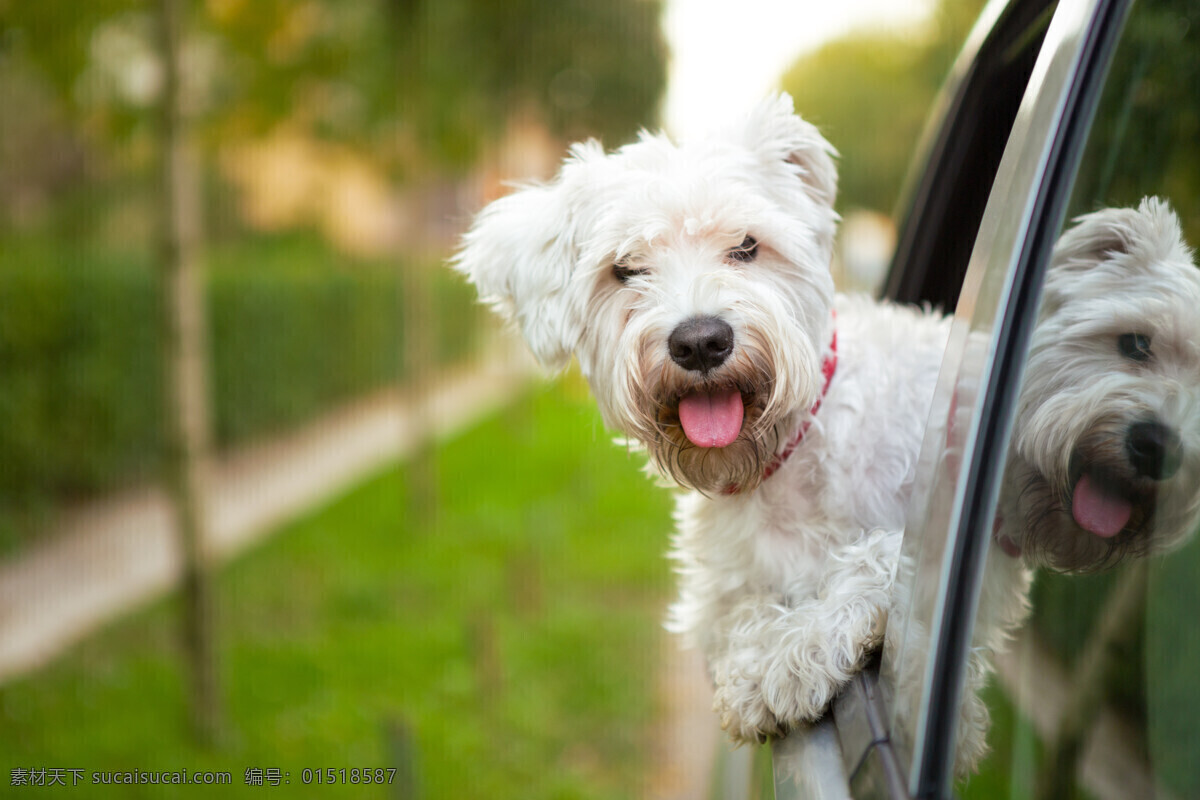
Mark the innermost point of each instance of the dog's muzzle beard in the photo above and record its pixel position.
(656, 388)
(1099, 507)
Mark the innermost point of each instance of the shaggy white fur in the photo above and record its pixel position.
(784, 581)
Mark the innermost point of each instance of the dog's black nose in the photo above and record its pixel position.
(1154, 450)
(701, 343)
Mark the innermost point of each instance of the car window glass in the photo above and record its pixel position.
(1095, 693)
(926, 645)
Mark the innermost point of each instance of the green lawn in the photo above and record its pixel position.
(502, 646)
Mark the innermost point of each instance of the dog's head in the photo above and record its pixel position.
(1105, 460)
(691, 281)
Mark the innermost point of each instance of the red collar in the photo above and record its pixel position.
(828, 367)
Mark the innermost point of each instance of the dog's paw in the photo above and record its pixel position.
(739, 704)
(744, 714)
(802, 680)
(799, 697)
(757, 707)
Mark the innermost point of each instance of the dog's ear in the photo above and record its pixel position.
(777, 134)
(1122, 239)
(1093, 238)
(521, 253)
(1142, 235)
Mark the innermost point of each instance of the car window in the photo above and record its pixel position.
(1095, 694)
(931, 662)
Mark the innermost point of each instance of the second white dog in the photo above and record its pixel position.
(692, 283)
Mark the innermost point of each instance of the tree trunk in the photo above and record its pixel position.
(186, 439)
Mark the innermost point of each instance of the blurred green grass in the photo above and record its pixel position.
(513, 634)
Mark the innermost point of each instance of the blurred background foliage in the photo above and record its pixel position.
(342, 144)
(1148, 122)
(503, 648)
(870, 94)
(418, 85)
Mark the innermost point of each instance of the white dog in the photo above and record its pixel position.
(692, 284)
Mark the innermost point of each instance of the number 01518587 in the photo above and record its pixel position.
(352, 775)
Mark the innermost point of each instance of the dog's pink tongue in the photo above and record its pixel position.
(711, 420)
(1097, 511)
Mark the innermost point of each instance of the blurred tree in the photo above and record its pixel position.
(869, 93)
(420, 84)
(580, 67)
(187, 437)
(1147, 125)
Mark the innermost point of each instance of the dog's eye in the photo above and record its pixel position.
(623, 272)
(746, 251)
(1134, 346)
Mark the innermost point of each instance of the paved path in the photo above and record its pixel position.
(121, 551)
(686, 736)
